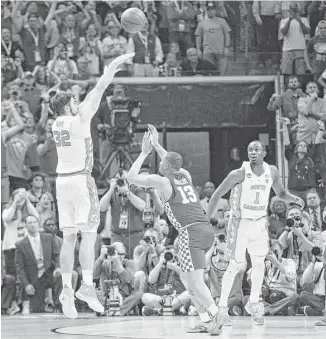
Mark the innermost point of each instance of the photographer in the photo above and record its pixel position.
(279, 288)
(146, 254)
(298, 239)
(127, 205)
(163, 280)
(116, 273)
(216, 267)
(314, 276)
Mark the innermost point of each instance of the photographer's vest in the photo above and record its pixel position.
(144, 47)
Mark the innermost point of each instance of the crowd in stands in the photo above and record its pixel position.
(51, 46)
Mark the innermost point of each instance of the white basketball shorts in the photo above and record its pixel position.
(78, 204)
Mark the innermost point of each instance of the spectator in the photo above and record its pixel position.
(277, 219)
(316, 48)
(164, 229)
(44, 209)
(30, 94)
(37, 262)
(174, 59)
(15, 96)
(311, 109)
(314, 303)
(179, 15)
(61, 64)
(294, 33)
(127, 205)
(8, 292)
(216, 267)
(299, 240)
(316, 12)
(148, 53)
(265, 13)
(213, 39)
(194, 65)
(279, 289)
(114, 44)
(288, 103)
(315, 210)
(90, 47)
(13, 216)
(222, 206)
(122, 273)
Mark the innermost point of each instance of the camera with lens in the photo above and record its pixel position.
(149, 239)
(294, 222)
(120, 181)
(168, 256)
(110, 251)
(316, 251)
(108, 284)
(213, 222)
(221, 237)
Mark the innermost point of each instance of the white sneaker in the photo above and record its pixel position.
(67, 300)
(87, 293)
(257, 315)
(26, 308)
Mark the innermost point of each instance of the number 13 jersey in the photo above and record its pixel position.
(249, 200)
(74, 145)
(183, 208)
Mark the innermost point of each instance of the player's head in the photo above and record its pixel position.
(172, 162)
(256, 152)
(64, 104)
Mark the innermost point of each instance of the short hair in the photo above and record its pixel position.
(294, 207)
(312, 191)
(30, 215)
(259, 142)
(174, 160)
(59, 101)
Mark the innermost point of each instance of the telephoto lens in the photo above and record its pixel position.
(290, 222)
(111, 250)
(168, 256)
(316, 251)
(147, 239)
(221, 237)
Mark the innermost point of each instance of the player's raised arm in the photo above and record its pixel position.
(281, 192)
(89, 106)
(154, 139)
(234, 178)
(133, 176)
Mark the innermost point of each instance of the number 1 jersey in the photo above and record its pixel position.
(74, 145)
(183, 208)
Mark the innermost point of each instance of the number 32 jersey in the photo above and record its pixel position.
(183, 208)
(74, 145)
(249, 200)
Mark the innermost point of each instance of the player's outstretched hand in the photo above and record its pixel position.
(153, 134)
(146, 145)
(120, 60)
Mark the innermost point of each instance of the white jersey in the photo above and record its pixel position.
(250, 199)
(74, 145)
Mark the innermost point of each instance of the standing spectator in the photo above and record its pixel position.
(38, 267)
(179, 15)
(90, 47)
(315, 209)
(316, 12)
(317, 50)
(264, 13)
(277, 219)
(213, 39)
(44, 209)
(13, 216)
(294, 33)
(311, 109)
(148, 53)
(127, 205)
(30, 93)
(114, 44)
(194, 65)
(222, 206)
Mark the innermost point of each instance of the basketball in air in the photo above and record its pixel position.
(133, 20)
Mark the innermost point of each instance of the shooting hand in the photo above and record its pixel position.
(146, 145)
(153, 134)
(118, 61)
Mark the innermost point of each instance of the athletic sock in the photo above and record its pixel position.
(213, 310)
(204, 317)
(66, 279)
(87, 277)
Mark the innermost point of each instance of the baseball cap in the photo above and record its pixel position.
(210, 5)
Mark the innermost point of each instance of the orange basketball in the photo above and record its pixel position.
(133, 20)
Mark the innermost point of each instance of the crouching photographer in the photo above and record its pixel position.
(127, 206)
(163, 282)
(279, 288)
(118, 277)
(299, 239)
(313, 299)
